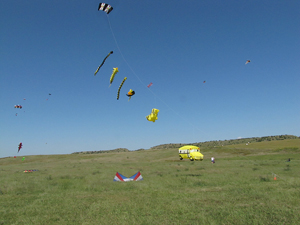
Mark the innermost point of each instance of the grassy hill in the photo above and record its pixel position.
(229, 142)
(79, 189)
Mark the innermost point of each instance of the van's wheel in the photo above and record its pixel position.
(181, 158)
(191, 159)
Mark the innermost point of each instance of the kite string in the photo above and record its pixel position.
(128, 63)
(142, 81)
(121, 51)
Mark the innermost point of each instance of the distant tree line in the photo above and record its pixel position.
(228, 142)
(103, 151)
(202, 144)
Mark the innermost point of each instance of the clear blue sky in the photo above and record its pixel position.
(56, 46)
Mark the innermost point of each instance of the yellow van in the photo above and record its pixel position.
(190, 152)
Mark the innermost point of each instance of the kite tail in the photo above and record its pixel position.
(96, 71)
(125, 78)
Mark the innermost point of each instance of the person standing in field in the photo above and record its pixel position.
(212, 160)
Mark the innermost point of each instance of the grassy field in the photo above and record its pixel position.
(79, 189)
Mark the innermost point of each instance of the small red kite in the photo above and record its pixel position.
(20, 146)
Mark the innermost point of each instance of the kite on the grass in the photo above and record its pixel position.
(247, 62)
(135, 177)
(105, 7)
(20, 146)
(153, 116)
(130, 94)
(112, 77)
(125, 78)
(29, 171)
(103, 62)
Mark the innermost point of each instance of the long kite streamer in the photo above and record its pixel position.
(125, 78)
(103, 62)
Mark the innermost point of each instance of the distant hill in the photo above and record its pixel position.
(228, 142)
(202, 144)
(103, 151)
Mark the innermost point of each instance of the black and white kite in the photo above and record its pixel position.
(105, 7)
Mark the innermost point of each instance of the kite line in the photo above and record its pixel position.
(156, 96)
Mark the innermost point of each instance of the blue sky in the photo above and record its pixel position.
(56, 46)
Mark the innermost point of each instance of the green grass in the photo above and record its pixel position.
(79, 189)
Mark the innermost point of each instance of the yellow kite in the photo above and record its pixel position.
(130, 94)
(153, 116)
(112, 77)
